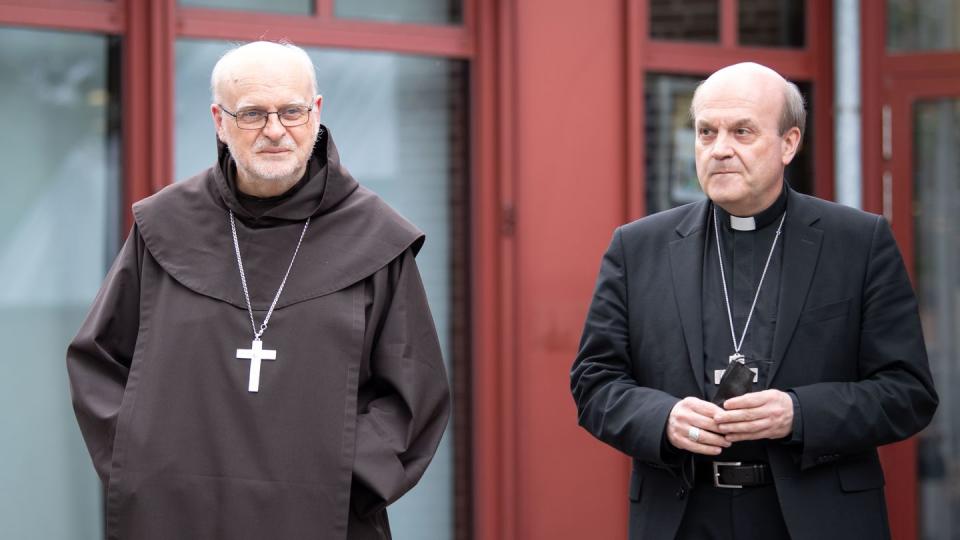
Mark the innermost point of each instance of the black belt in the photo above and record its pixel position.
(733, 474)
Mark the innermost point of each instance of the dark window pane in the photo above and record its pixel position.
(401, 125)
(293, 7)
(59, 93)
(406, 11)
(669, 156)
(689, 20)
(671, 168)
(936, 237)
(923, 25)
(772, 23)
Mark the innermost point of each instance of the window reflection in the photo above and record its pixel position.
(936, 185)
(407, 11)
(918, 25)
(671, 168)
(59, 224)
(293, 7)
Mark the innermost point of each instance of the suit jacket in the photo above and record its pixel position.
(847, 342)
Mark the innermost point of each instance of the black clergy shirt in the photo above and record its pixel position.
(744, 256)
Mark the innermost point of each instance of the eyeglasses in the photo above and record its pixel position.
(291, 116)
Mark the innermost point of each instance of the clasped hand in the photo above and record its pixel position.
(758, 415)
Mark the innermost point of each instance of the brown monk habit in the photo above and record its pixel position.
(347, 416)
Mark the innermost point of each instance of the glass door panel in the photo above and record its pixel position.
(936, 236)
(291, 7)
(407, 11)
(59, 222)
(923, 25)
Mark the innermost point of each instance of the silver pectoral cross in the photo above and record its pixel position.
(735, 357)
(255, 354)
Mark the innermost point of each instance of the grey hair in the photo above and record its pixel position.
(794, 112)
(220, 69)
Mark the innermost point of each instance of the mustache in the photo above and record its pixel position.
(264, 143)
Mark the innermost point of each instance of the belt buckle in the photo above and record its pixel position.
(716, 474)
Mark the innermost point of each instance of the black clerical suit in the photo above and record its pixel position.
(846, 342)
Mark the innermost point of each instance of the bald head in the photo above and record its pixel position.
(756, 79)
(284, 60)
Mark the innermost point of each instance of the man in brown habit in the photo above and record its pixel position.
(751, 351)
(261, 361)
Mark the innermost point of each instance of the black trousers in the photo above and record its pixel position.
(751, 513)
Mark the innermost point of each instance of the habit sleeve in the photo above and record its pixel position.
(403, 401)
(894, 396)
(612, 404)
(98, 359)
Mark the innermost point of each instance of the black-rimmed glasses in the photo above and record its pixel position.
(290, 116)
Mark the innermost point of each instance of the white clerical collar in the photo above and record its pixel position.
(742, 223)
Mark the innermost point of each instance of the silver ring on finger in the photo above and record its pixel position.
(693, 433)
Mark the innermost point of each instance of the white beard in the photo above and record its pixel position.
(257, 169)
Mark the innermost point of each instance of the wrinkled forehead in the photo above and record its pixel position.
(265, 80)
(255, 92)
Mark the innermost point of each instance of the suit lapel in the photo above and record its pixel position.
(801, 251)
(686, 261)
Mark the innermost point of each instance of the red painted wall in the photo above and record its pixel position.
(570, 182)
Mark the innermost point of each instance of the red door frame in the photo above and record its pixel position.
(902, 95)
(76, 15)
(900, 459)
(494, 267)
(892, 82)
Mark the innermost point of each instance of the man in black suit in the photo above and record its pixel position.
(751, 351)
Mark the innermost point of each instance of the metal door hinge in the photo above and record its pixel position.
(887, 133)
(508, 219)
